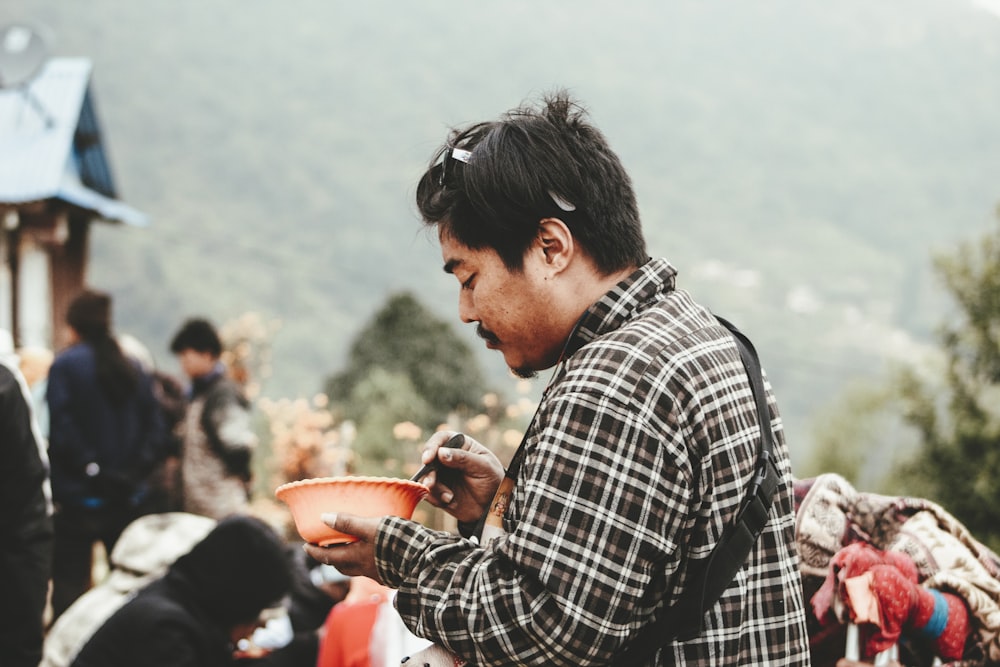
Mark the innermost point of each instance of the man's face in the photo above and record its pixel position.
(512, 309)
(195, 364)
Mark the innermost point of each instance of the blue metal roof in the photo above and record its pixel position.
(50, 144)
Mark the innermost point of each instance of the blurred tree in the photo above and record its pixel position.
(377, 404)
(405, 338)
(405, 366)
(958, 416)
(857, 437)
(246, 350)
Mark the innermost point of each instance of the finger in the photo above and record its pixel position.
(330, 555)
(434, 490)
(442, 437)
(340, 556)
(458, 459)
(452, 457)
(345, 523)
(440, 495)
(317, 553)
(428, 454)
(435, 444)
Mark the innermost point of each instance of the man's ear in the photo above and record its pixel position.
(556, 242)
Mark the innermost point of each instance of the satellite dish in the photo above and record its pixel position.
(22, 53)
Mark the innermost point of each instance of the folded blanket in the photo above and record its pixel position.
(832, 514)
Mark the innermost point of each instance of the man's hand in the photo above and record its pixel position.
(355, 558)
(470, 476)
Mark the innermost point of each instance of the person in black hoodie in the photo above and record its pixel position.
(209, 599)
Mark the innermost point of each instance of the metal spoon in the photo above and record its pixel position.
(455, 442)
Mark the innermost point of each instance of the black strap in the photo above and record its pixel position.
(221, 393)
(707, 583)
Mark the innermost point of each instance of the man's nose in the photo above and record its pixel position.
(466, 308)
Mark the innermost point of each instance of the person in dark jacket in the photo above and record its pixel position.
(25, 526)
(106, 434)
(196, 614)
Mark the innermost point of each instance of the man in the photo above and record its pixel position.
(217, 440)
(196, 614)
(146, 548)
(25, 525)
(642, 447)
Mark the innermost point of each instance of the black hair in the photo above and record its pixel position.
(516, 169)
(239, 569)
(199, 335)
(89, 314)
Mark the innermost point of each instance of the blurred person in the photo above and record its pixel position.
(334, 584)
(106, 435)
(34, 363)
(217, 438)
(164, 482)
(196, 614)
(348, 630)
(146, 548)
(391, 641)
(365, 630)
(166, 493)
(643, 450)
(316, 590)
(292, 638)
(26, 533)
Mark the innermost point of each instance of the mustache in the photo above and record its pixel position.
(487, 335)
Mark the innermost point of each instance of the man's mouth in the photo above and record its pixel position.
(492, 341)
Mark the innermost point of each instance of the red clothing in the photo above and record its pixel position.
(348, 630)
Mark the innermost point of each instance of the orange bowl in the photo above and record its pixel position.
(364, 496)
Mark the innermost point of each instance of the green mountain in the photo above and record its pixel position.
(798, 162)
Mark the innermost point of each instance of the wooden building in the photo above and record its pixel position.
(55, 181)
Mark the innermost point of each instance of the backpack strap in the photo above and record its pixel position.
(222, 393)
(707, 582)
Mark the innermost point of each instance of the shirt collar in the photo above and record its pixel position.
(644, 286)
(201, 383)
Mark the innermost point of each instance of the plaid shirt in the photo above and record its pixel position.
(640, 453)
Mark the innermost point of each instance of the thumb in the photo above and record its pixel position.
(345, 523)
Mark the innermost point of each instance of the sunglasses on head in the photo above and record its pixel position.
(452, 153)
(460, 154)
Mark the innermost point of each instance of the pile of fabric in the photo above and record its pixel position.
(903, 569)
